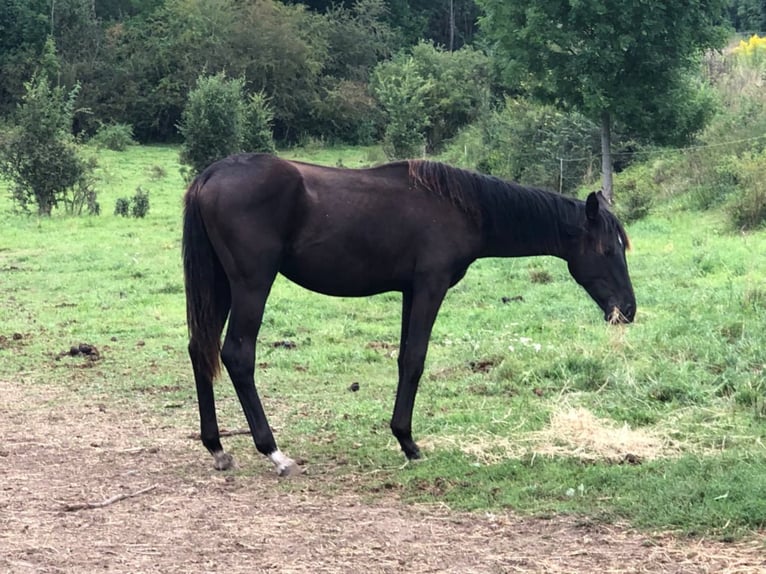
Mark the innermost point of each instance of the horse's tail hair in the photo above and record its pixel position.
(208, 295)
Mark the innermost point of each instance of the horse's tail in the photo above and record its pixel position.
(208, 296)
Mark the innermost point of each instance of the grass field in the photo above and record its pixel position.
(529, 401)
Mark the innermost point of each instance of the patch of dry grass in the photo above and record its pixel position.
(572, 432)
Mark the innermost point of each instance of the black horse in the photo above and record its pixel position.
(411, 226)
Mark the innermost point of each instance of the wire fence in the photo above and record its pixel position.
(593, 161)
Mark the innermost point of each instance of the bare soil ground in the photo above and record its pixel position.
(178, 515)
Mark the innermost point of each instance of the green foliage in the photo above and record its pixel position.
(24, 29)
(747, 208)
(624, 63)
(257, 122)
(524, 142)
(350, 114)
(428, 94)
(358, 38)
(137, 206)
(628, 59)
(122, 207)
(116, 137)
(747, 15)
(459, 92)
(40, 156)
(637, 188)
(402, 94)
(213, 121)
(140, 203)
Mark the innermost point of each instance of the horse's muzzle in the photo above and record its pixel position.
(619, 316)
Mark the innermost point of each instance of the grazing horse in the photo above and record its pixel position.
(410, 226)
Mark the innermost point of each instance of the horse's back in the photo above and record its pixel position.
(338, 231)
(248, 177)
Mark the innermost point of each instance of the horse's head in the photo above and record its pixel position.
(596, 260)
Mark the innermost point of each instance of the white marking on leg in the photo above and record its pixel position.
(285, 465)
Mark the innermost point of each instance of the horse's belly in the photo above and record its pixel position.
(343, 275)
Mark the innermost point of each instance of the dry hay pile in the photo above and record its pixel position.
(571, 433)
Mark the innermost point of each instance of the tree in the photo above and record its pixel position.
(747, 15)
(40, 157)
(623, 61)
(24, 27)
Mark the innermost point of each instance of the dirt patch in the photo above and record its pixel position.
(163, 509)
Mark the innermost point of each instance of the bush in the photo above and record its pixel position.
(212, 122)
(350, 114)
(523, 141)
(428, 95)
(258, 120)
(747, 208)
(40, 157)
(635, 189)
(116, 137)
(122, 207)
(140, 203)
(137, 206)
(402, 92)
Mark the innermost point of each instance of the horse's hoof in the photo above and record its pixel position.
(290, 469)
(413, 454)
(223, 461)
(285, 465)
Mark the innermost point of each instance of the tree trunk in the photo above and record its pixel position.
(606, 155)
(451, 25)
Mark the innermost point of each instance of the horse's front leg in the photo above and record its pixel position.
(419, 309)
(238, 356)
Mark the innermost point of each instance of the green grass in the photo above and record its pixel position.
(690, 370)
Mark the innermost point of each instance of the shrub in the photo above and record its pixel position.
(116, 137)
(157, 172)
(140, 203)
(350, 114)
(122, 207)
(40, 157)
(428, 94)
(747, 208)
(524, 142)
(212, 122)
(635, 189)
(258, 120)
(137, 206)
(401, 93)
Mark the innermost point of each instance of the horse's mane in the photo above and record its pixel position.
(493, 202)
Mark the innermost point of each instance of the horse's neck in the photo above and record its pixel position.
(527, 223)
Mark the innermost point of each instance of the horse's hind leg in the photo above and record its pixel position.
(248, 303)
(209, 432)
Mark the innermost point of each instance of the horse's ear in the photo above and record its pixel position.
(592, 206)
